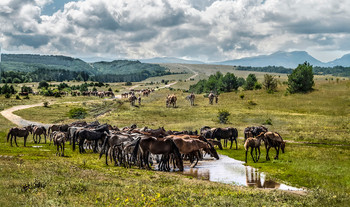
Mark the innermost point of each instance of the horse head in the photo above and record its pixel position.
(283, 145)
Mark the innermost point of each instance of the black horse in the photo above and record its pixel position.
(254, 131)
(97, 134)
(228, 133)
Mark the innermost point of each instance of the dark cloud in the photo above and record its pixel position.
(31, 40)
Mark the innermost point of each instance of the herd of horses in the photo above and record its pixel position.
(144, 146)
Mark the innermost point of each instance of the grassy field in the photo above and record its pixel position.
(322, 116)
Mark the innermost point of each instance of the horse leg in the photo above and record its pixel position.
(251, 153)
(63, 149)
(197, 158)
(277, 152)
(11, 140)
(231, 143)
(236, 143)
(34, 138)
(246, 153)
(259, 153)
(267, 153)
(58, 150)
(25, 140)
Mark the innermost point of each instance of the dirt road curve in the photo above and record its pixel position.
(8, 114)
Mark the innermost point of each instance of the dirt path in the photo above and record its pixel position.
(19, 121)
(195, 74)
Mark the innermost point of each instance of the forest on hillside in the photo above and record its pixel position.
(19, 68)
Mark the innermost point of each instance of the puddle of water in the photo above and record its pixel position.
(37, 146)
(231, 171)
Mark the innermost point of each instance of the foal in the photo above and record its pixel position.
(253, 143)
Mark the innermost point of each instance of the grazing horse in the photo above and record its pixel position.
(90, 135)
(211, 98)
(273, 139)
(228, 133)
(171, 100)
(38, 131)
(254, 144)
(207, 131)
(191, 98)
(18, 132)
(53, 128)
(166, 147)
(132, 99)
(160, 132)
(59, 139)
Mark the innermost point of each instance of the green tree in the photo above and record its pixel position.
(250, 82)
(302, 79)
(270, 83)
(43, 84)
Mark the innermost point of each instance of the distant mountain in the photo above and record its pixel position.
(343, 61)
(285, 59)
(170, 60)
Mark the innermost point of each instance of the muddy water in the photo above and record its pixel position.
(231, 171)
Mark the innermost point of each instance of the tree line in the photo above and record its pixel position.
(59, 75)
(335, 71)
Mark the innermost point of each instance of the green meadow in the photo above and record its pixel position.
(316, 126)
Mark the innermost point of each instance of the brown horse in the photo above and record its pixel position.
(18, 132)
(59, 139)
(132, 100)
(211, 98)
(171, 100)
(273, 139)
(192, 146)
(254, 144)
(165, 147)
(38, 131)
(191, 98)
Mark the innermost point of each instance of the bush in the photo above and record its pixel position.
(302, 79)
(270, 83)
(241, 96)
(77, 113)
(128, 83)
(46, 104)
(223, 116)
(17, 97)
(268, 122)
(43, 84)
(26, 97)
(250, 82)
(252, 103)
(7, 95)
(257, 86)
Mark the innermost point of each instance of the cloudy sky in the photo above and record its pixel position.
(206, 30)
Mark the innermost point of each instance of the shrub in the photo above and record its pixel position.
(116, 90)
(17, 97)
(268, 122)
(43, 84)
(257, 86)
(270, 83)
(7, 95)
(46, 104)
(77, 113)
(26, 97)
(241, 96)
(250, 82)
(223, 116)
(301, 79)
(252, 103)
(128, 83)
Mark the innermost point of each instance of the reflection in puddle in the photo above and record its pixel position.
(231, 171)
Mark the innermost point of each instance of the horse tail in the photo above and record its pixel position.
(105, 142)
(48, 130)
(8, 135)
(134, 153)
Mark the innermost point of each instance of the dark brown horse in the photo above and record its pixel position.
(228, 133)
(165, 147)
(254, 144)
(273, 139)
(18, 132)
(59, 139)
(38, 131)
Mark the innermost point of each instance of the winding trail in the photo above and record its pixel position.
(19, 121)
(195, 74)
